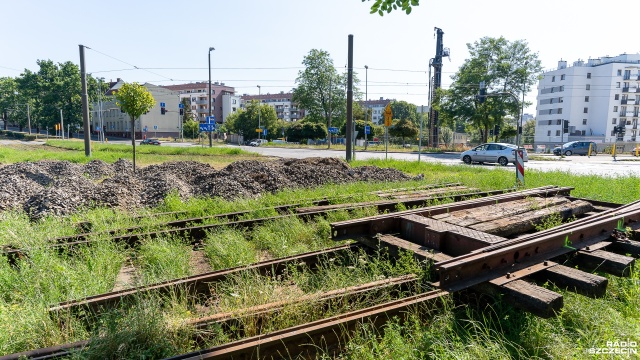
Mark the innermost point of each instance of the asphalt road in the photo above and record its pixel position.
(602, 164)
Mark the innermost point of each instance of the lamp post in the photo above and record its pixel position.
(366, 98)
(210, 136)
(259, 110)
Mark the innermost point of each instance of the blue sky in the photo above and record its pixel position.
(260, 42)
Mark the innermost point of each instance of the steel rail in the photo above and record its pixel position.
(383, 223)
(469, 270)
(199, 284)
(305, 340)
(197, 233)
(234, 319)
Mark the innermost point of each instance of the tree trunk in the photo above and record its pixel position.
(133, 142)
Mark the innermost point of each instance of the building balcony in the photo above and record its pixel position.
(624, 114)
(201, 102)
(625, 89)
(203, 111)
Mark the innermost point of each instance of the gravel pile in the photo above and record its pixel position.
(61, 187)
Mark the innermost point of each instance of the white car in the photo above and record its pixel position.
(500, 153)
(258, 142)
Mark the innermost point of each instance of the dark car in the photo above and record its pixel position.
(150, 142)
(576, 148)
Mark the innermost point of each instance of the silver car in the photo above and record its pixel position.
(500, 153)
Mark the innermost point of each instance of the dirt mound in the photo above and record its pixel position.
(60, 187)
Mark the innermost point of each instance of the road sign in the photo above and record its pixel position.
(367, 129)
(181, 106)
(145, 128)
(258, 130)
(211, 119)
(162, 104)
(207, 127)
(264, 132)
(388, 115)
(519, 167)
(333, 130)
(155, 127)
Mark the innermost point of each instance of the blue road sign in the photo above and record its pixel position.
(264, 132)
(145, 128)
(367, 129)
(207, 127)
(333, 130)
(162, 104)
(211, 119)
(155, 127)
(181, 106)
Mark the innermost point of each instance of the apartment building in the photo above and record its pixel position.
(286, 109)
(587, 100)
(377, 109)
(197, 94)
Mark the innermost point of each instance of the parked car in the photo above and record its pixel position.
(258, 142)
(577, 148)
(150, 142)
(500, 153)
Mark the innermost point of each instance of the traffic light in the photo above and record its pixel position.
(181, 112)
(163, 110)
(483, 93)
(622, 130)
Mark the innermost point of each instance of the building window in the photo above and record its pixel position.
(588, 75)
(559, 110)
(588, 87)
(618, 85)
(548, 132)
(586, 110)
(613, 121)
(584, 121)
(557, 132)
(562, 88)
(617, 97)
(549, 122)
(586, 99)
(553, 79)
(560, 99)
(615, 109)
(234, 101)
(562, 77)
(559, 122)
(619, 72)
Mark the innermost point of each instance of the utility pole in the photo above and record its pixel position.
(437, 82)
(330, 96)
(61, 126)
(85, 105)
(210, 135)
(366, 98)
(350, 98)
(259, 110)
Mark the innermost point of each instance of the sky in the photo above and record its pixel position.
(263, 42)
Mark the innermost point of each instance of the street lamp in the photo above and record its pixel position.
(259, 109)
(210, 136)
(366, 98)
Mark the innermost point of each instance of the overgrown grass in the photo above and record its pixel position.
(475, 331)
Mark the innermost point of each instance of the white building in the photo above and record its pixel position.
(286, 109)
(593, 97)
(197, 94)
(152, 124)
(377, 109)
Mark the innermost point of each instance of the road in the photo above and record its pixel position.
(601, 165)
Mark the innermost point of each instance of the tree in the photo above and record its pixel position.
(446, 136)
(404, 110)
(301, 130)
(506, 68)
(191, 128)
(135, 100)
(382, 6)
(321, 90)
(8, 98)
(529, 131)
(404, 129)
(245, 122)
(188, 114)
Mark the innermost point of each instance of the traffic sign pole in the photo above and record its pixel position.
(519, 168)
